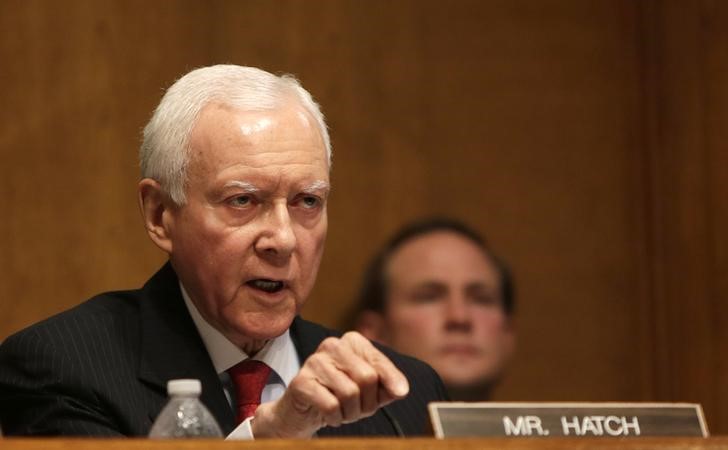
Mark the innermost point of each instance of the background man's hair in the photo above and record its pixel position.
(164, 153)
(373, 292)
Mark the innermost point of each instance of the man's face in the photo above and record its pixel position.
(248, 242)
(444, 307)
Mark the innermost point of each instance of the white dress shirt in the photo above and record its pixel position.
(278, 353)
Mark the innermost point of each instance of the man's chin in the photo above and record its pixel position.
(262, 328)
(465, 373)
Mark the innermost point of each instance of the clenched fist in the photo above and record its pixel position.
(345, 380)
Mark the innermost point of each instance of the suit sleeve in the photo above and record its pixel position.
(42, 390)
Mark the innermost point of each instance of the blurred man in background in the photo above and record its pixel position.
(437, 292)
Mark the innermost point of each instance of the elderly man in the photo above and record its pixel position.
(437, 292)
(235, 179)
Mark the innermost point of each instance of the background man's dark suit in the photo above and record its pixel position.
(101, 369)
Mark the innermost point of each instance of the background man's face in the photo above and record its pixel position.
(444, 307)
(248, 242)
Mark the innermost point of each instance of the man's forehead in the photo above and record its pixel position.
(224, 137)
(248, 121)
(436, 246)
(442, 255)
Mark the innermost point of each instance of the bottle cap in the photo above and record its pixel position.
(184, 387)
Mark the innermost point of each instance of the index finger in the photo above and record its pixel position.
(391, 379)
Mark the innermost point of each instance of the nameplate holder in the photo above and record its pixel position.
(492, 419)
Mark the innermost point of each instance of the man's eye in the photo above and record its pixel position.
(240, 200)
(486, 300)
(310, 202)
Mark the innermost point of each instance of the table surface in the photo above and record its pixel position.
(718, 442)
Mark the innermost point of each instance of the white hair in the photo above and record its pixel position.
(164, 153)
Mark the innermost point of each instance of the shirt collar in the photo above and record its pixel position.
(278, 353)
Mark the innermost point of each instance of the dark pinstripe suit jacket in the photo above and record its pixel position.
(101, 368)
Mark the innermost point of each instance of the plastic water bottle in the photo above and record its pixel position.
(184, 416)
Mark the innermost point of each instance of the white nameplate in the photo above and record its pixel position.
(489, 419)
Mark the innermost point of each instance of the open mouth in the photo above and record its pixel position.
(269, 286)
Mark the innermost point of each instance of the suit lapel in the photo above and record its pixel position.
(171, 347)
(307, 336)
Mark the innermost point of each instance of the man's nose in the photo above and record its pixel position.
(277, 239)
(457, 314)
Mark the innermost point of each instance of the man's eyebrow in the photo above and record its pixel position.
(473, 285)
(431, 284)
(318, 185)
(247, 187)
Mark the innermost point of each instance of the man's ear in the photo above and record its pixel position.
(371, 325)
(156, 208)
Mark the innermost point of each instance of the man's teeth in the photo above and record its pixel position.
(267, 285)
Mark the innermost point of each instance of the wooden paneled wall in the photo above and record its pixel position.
(686, 88)
(586, 139)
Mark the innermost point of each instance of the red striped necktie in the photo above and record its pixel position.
(249, 378)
